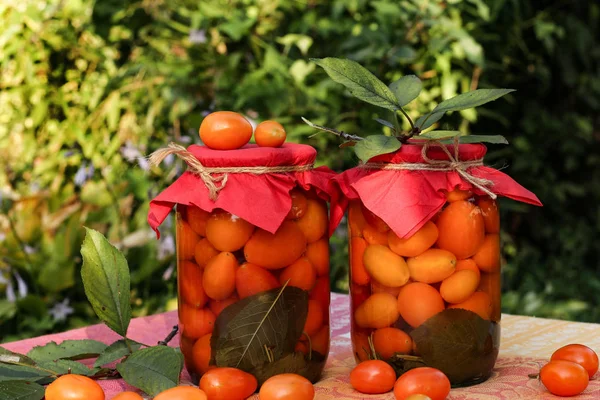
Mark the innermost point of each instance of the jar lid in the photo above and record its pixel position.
(406, 197)
(255, 186)
(252, 155)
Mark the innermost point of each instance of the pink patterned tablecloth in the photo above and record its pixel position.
(526, 343)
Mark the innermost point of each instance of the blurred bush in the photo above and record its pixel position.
(87, 89)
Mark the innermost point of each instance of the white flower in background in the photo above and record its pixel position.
(197, 36)
(132, 153)
(61, 310)
(80, 175)
(168, 273)
(169, 160)
(10, 288)
(166, 247)
(28, 249)
(83, 174)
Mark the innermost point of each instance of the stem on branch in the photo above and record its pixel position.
(343, 135)
(170, 336)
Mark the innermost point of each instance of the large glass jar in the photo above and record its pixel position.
(439, 287)
(253, 263)
(424, 258)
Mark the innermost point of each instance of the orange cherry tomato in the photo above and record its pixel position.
(225, 130)
(424, 380)
(228, 384)
(418, 397)
(269, 134)
(74, 387)
(287, 387)
(564, 378)
(181, 393)
(373, 377)
(579, 354)
(128, 396)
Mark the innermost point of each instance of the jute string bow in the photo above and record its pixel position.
(215, 178)
(453, 163)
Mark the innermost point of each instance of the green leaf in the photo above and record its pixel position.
(105, 276)
(7, 356)
(494, 139)
(361, 83)
(61, 367)
(274, 319)
(375, 145)
(429, 119)
(115, 352)
(20, 390)
(68, 349)
(459, 343)
(406, 89)
(471, 99)
(9, 372)
(437, 135)
(386, 123)
(293, 363)
(152, 369)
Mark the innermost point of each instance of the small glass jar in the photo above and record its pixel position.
(427, 289)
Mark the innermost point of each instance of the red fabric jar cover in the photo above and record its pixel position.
(407, 199)
(261, 199)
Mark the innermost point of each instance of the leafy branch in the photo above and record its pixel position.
(365, 86)
(106, 280)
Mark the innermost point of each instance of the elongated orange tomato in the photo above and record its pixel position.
(225, 130)
(373, 377)
(269, 134)
(228, 384)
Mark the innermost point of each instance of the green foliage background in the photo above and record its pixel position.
(88, 86)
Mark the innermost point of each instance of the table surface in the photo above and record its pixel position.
(525, 345)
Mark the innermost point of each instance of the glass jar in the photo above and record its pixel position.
(401, 288)
(424, 258)
(252, 259)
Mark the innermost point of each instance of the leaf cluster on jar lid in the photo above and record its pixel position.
(365, 86)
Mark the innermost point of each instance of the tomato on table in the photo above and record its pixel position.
(579, 354)
(74, 387)
(228, 384)
(373, 377)
(287, 387)
(425, 381)
(564, 378)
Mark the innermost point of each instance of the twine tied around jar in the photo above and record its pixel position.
(215, 178)
(452, 164)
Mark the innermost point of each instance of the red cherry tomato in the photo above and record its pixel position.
(564, 378)
(579, 354)
(181, 393)
(373, 377)
(287, 387)
(228, 384)
(74, 387)
(425, 381)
